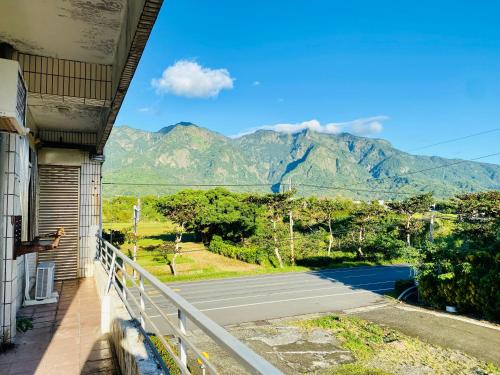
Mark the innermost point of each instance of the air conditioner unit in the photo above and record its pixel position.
(44, 287)
(13, 98)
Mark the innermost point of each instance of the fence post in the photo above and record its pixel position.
(111, 275)
(182, 345)
(124, 281)
(141, 295)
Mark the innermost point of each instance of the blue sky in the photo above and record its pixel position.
(414, 73)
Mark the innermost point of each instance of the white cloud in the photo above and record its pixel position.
(256, 83)
(144, 109)
(364, 127)
(190, 79)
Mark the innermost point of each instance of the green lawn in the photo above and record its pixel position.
(197, 263)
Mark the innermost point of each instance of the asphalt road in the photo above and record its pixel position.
(247, 299)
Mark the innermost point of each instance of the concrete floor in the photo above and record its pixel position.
(66, 336)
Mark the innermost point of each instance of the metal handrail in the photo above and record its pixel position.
(252, 362)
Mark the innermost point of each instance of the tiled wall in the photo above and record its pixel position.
(90, 210)
(14, 172)
(14, 198)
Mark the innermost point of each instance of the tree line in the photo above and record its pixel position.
(454, 245)
(292, 229)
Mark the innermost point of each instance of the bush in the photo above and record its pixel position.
(401, 285)
(384, 246)
(468, 280)
(115, 237)
(248, 254)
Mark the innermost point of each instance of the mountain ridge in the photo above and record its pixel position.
(185, 153)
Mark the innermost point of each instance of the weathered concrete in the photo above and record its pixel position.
(291, 349)
(133, 353)
(445, 330)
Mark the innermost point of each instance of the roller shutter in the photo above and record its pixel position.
(58, 206)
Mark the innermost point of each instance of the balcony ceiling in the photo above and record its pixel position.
(77, 56)
(83, 30)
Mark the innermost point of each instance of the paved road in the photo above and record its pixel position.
(246, 299)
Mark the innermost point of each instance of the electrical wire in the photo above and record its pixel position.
(182, 185)
(454, 140)
(427, 169)
(353, 189)
(348, 188)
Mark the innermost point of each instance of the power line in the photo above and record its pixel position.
(353, 189)
(348, 188)
(181, 185)
(252, 185)
(428, 169)
(453, 140)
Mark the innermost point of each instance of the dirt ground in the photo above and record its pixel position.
(432, 344)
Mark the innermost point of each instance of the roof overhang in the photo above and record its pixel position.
(78, 58)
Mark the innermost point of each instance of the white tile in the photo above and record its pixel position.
(8, 292)
(8, 270)
(12, 159)
(7, 317)
(9, 243)
(11, 181)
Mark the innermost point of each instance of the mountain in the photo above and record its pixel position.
(363, 168)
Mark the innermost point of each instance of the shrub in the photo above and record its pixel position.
(384, 246)
(468, 280)
(248, 254)
(115, 237)
(401, 285)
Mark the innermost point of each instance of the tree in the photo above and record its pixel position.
(463, 268)
(167, 248)
(364, 215)
(277, 206)
(408, 208)
(225, 214)
(325, 211)
(181, 208)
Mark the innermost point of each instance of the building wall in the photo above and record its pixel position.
(90, 200)
(15, 199)
(90, 212)
(14, 196)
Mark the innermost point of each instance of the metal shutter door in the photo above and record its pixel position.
(58, 207)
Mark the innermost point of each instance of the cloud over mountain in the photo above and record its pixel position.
(364, 127)
(191, 80)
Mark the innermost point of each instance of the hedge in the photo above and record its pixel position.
(248, 254)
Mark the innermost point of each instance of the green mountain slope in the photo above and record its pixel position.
(187, 154)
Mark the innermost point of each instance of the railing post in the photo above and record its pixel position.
(111, 275)
(182, 345)
(99, 246)
(124, 281)
(141, 295)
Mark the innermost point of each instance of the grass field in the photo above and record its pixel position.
(196, 263)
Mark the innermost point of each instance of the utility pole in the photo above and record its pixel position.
(111, 221)
(292, 245)
(137, 217)
(431, 225)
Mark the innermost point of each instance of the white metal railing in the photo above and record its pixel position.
(115, 263)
